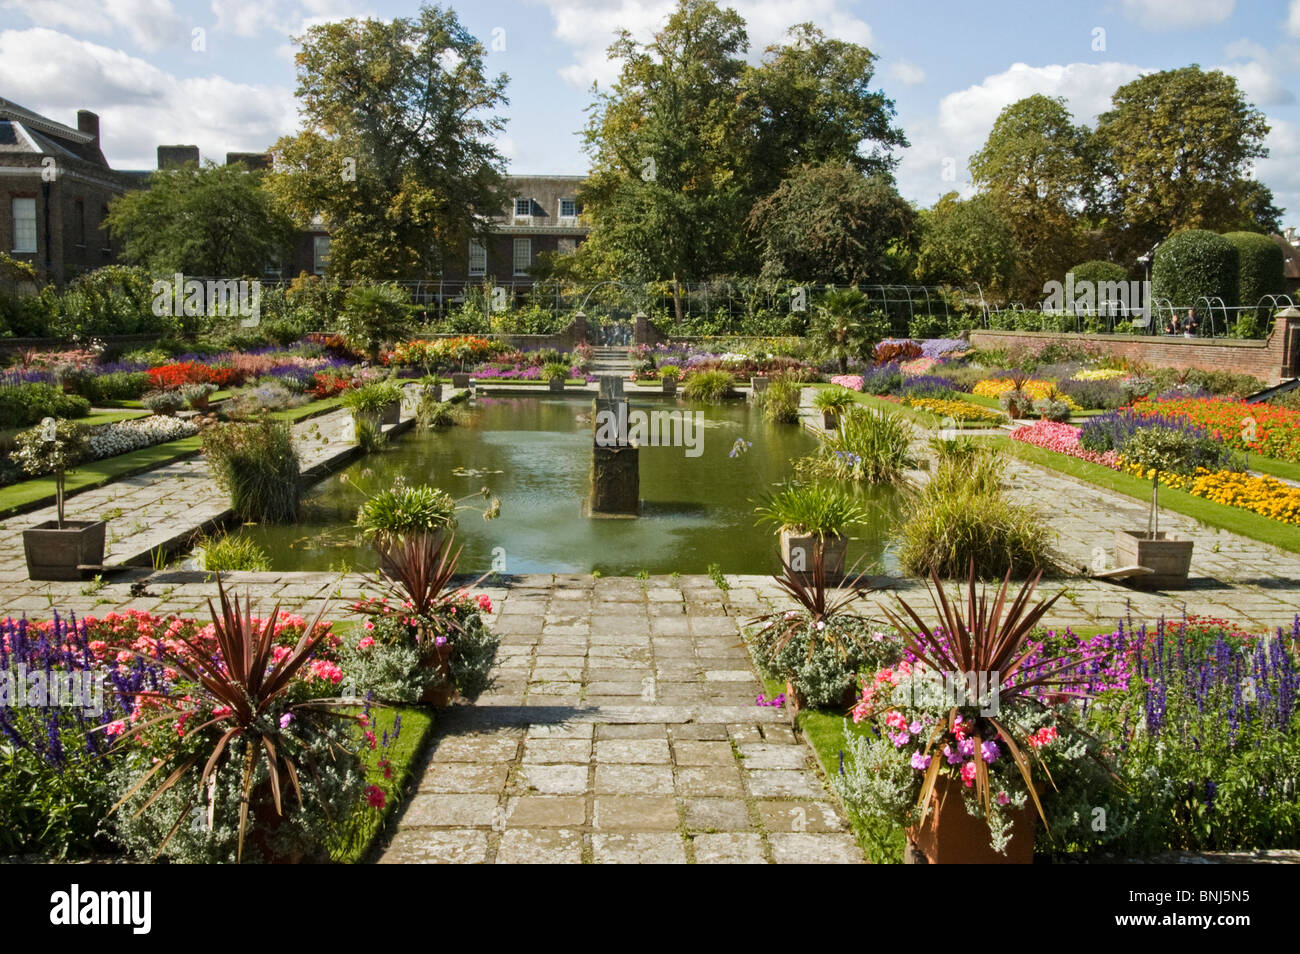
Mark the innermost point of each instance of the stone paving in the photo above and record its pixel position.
(623, 729)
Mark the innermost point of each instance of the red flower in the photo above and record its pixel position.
(375, 797)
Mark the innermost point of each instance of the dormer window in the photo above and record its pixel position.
(523, 208)
(569, 208)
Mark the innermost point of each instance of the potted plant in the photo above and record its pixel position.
(462, 352)
(1159, 450)
(1017, 402)
(374, 404)
(833, 402)
(669, 375)
(426, 641)
(970, 728)
(758, 383)
(810, 520)
(433, 387)
(198, 396)
(555, 374)
(166, 403)
(58, 549)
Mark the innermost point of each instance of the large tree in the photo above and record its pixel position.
(691, 137)
(395, 154)
(1179, 146)
(965, 243)
(1036, 167)
(206, 221)
(829, 223)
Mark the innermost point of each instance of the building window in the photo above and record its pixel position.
(523, 208)
(566, 246)
(523, 256)
(320, 253)
(24, 211)
(477, 259)
(569, 208)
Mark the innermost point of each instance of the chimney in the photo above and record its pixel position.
(253, 161)
(88, 122)
(170, 157)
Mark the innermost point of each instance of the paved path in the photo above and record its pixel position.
(623, 729)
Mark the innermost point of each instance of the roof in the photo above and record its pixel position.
(33, 133)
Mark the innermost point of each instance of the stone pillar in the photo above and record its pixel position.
(578, 329)
(615, 468)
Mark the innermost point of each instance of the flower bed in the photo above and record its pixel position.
(958, 410)
(1258, 428)
(109, 440)
(851, 381)
(1062, 438)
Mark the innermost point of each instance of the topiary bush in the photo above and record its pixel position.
(1259, 267)
(1097, 272)
(1192, 264)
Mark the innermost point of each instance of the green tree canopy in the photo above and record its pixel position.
(1036, 167)
(1179, 145)
(829, 223)
(210, 221)
(394, 155)
(966, 242)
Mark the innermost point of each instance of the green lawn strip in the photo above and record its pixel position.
(991, 403)
(918, 416)
(314, 409)
(824, 730)
(39, 491)
(122, 403)
(1233, 519)
(403, 753)
(1273, 467)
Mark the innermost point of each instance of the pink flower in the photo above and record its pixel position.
(285, 720)
(1003, 798)
(370, 739)
(366, 642)
(968, 774)
(116, 728)
(484, 603)
(369, 625)
(920, 761)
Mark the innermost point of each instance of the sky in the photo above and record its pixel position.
(220, 73)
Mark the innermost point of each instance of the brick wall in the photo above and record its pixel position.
(1271, 360)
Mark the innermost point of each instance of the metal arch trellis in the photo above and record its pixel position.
(1209, 307)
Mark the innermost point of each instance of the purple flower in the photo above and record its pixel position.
(990, 752)
(285, 720)
(920, 761)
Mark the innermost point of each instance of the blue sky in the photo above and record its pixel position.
(950, 65)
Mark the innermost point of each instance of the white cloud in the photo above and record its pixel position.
(942, 144)
(588, 27)
(1293, 19)
(246, 18)
(1177, 14)
(140, 106)
(1280, 172)
(909, 74)
(1257, 72)
(151, 24)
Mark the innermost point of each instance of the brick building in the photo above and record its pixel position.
(55, 186)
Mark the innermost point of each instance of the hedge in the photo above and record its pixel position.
(1193, 264)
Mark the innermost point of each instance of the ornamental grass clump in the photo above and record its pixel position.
(780, 402)
(257, 465)
(709, 387)
(819, 509)
(963, 516)
(868, 446)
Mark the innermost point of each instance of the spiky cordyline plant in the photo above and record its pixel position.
(243, 681)
(989, 638)
(417, 569)
(814, 597)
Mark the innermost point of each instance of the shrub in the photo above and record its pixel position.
(555, 371)
(227, 553)
(1052, 410)
(892, 350)
(1193, 264)
(1104, 395)
(164, 402)
(114, 386)
(22, 405)
(818, 509)
(373, 314)
(1098, 273)
(1260, 265)
(712, 387)
(406, 509)
(370, 399)
(257, 465)
(964, 515)
(248, 403)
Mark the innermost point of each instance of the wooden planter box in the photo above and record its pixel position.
(556, 384)
(391, 414)
(949, 836)
(460, 380)
(669, 385)
(798, 550)
(434, 391)
(54, 554)
(830, 420)
(1168, 558)
(758, 383)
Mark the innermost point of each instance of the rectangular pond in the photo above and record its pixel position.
(534, 453)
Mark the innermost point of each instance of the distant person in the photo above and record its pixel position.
(1189, 325)
(1172, 326)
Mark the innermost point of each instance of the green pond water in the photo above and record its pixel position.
(535, 455)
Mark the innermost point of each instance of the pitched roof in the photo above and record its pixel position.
(31, 132)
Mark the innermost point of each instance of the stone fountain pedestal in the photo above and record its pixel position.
(615, 464)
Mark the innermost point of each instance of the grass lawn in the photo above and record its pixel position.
(95, 474)
(1233, 519)
(403, 755)
(918, 416)
(311, 409)
(1270, 465)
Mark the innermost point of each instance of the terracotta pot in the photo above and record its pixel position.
(55, 553)
(950, 836)
(440, 690)
(793, 697)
